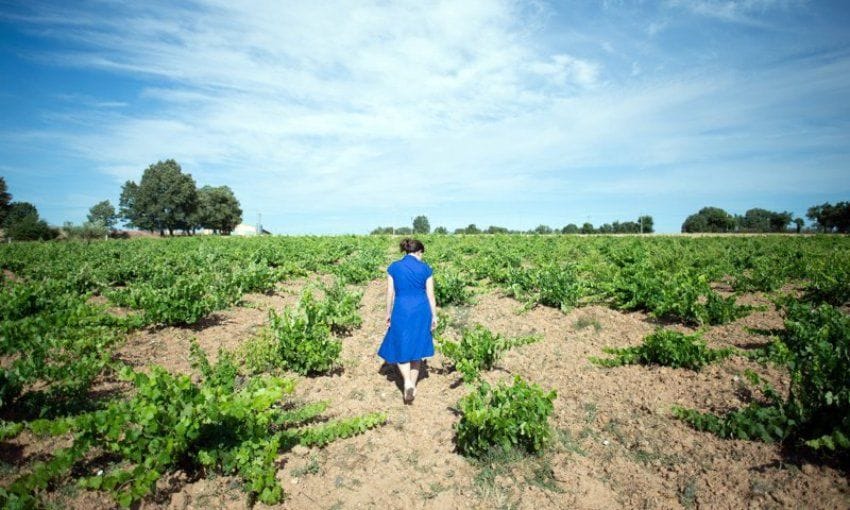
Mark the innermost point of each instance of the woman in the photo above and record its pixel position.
(411, 315)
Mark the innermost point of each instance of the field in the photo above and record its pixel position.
(689, 372)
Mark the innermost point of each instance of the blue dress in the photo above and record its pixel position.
(409, 335)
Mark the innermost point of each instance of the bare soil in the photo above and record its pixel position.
(615, 443)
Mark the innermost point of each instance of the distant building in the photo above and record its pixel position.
(248, 230)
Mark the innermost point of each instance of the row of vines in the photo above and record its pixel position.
(58, 332)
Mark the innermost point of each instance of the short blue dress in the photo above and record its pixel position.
(409, 335)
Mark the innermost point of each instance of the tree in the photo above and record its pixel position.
(405, 231)
(755, 220)
(104, 214)
(606, 228)
(218, 209)
(493, 229)
(831, 218)
(570, 228)
(543, 229)
(646, 224)
(709, 219)
(5, 200)
(799, 223)
(779, 221)
(164, 199)
(23, 224)
(762, 220)
(18, 211)
(587, 228)
(127, 209)
(382, 231)
(421, 225)
(441, 230)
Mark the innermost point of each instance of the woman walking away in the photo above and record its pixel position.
(411, 315)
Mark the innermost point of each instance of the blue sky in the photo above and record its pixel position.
(330, 117)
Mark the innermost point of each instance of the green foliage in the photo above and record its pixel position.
(450, 288)
(5, 200)
(421, 225)
(762, 220)
(304, 340)
(164, 199)
(218, 209)
(667, 348)
(360, 267)
(831, 218)
(819, 341)
(217, 424)
(184, 301)
(86, 231)
(505, 417)
(102, 213)
(55, 341)
(339, 308)
(478, 349)
(300, 339)
(709, 219)
(829, 280)
(766, 420)
(817, 410)
(679, 294)
(21, 223)
(555, 285)
(326, 433)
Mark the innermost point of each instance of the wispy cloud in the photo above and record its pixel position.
(748, 12)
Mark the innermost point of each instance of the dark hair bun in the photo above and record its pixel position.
(408, 245)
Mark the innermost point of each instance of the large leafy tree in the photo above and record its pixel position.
(23, 224)
(570, 228)
(164, 199)
(762, 220)
(218, 209)
(709, 219)
(646, 224)
(831, 218)
(5, 200)
(779, 221)
(104, 214)
(421, 225)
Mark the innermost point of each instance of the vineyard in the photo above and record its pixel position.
(572, 372)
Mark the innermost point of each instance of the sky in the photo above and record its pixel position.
(338, 117)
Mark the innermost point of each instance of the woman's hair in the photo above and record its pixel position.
(411, 245)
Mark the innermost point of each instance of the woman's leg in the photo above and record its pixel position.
(409, 381)
(414, 373)
(404, 369)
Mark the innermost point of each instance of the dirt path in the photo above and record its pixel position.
(615, 444)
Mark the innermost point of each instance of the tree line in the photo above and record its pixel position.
(421, 225)
(166, 199)
(827, 218)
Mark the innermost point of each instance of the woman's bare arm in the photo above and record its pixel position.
(390, 298)
(429, 290)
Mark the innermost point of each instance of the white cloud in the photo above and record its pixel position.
(334, 107)
(735, 11)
